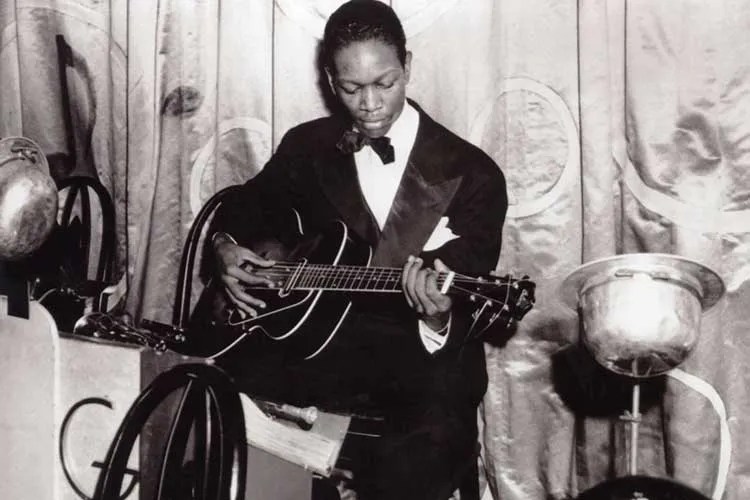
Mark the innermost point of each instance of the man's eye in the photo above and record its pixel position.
(350, 91)
(386, 85)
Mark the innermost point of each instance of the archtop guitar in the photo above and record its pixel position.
(313, 283)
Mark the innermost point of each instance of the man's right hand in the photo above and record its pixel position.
(236, 267)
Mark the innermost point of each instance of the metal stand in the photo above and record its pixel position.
(14, 286)
(635, 420)
(633, 417)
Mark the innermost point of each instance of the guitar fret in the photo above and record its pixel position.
(337, 275)
(368, 279)
(371, 281)
(294, 277)
(342, 274)
(351, 275)
(311, 276)
(395, 279)
(357, 280)
(333, 277)
(346, 276)
(383, 279)
(319, 280)
(361, 279)
(304, 277)
(388, 280)
(321, 277)
(379, 280)
(328, 277)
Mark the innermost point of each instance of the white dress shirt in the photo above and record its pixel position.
(380, 182)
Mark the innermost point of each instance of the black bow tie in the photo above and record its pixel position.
(353, 141)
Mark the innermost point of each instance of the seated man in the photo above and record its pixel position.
(397, 181)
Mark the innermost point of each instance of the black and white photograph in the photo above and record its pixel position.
(374, 249)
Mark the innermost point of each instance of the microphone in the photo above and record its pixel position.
(304, 417)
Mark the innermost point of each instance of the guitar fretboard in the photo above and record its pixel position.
(338, 278)
(302, 276)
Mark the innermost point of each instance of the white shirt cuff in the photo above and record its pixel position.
(433, 341)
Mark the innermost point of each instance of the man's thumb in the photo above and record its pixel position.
(441, 267)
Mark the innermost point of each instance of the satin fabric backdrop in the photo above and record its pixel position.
(621, 127)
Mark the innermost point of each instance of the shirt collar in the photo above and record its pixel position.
(403, 132)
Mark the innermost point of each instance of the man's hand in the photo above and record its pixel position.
(236, 266)
(423, 295)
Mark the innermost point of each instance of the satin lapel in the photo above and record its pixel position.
(421, 200)
(338, 179)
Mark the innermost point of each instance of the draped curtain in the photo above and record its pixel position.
(620, 126)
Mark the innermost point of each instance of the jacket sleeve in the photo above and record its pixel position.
(476, 216)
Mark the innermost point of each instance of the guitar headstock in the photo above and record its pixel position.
(502, 302)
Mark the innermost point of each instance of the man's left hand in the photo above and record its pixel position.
(422, 292)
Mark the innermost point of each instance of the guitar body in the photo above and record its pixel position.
(313, 280)
(301, 322)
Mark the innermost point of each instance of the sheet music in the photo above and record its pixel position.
(316, 449)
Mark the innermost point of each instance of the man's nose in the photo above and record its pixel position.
(370, 99)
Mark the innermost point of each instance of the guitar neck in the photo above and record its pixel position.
(305, 276)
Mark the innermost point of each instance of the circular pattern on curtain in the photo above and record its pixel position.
(530, 130)
(235, 154)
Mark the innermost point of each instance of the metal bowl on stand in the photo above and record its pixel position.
(641, 316)
(28, 198)
(641, 312)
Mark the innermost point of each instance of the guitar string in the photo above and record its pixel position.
(385, 282)
(467, 291)
(328, 271)
(316, 272)
(481, 296)
(336, 269)
(459, 278)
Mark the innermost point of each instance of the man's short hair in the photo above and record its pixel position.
(359, 21)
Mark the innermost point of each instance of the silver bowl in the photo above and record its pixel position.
(641, 312)
(28, 198)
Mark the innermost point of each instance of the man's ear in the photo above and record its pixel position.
(330, 80)
(407, 66)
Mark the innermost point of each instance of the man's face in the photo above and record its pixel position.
(371, 83)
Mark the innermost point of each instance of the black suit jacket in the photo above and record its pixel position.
(378, 359)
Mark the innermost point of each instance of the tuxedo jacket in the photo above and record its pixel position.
(377, 358)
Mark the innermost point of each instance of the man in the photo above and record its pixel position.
(403, 357)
